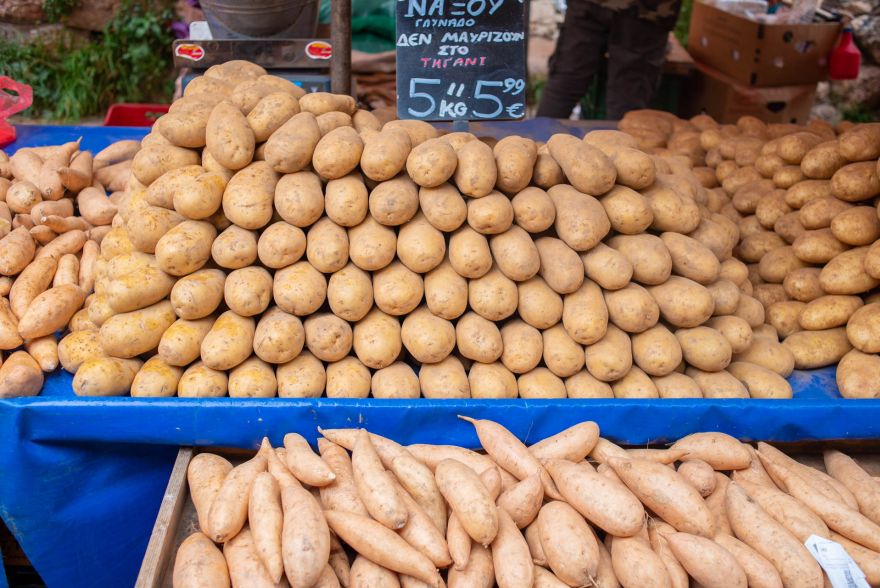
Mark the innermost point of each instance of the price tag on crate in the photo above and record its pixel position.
(461, 59)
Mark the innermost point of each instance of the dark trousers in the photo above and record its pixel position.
(636, 51)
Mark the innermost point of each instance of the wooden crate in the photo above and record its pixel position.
(176, 520)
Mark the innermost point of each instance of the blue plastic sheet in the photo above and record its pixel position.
(81, 479)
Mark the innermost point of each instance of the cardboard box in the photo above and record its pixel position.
(726, 100)
(760, 54)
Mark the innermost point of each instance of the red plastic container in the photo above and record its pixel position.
(12, 103)
(845, 58)
(134, 115)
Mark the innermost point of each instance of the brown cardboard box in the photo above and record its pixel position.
(760, 54)
(725, 100)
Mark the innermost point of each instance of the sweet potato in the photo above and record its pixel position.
(265, 519)
(418, 480)
(572, 444)
(707, 562)
(199, 564)
(788, 511)
(305, 537)
(459, 542)
(760, 573)
(205, 475)
(719, 450)
(511, 556)
(229, 509)
(421, 532)
(523, 500)
(374, 485)
(657, 536)
(845, 470)
(245, 567)
(469, 499)
(568, 542)
(636, 564)
(305, 465)
(478, 573)
(365, 573)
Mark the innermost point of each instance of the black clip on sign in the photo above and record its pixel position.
(460, 60)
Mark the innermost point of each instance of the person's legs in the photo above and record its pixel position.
(636, 52)
(583, 38)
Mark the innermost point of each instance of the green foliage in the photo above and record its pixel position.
(683, 24)
(129, 62)
(860, 114)
(55, 10)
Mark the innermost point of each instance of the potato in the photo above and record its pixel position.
(493, 296)
(672, 210)
(290, 148)
(280, 245)
(278, 337)
(746, 198)
(490, 215)
(562, 354)
(819, 246)
(650, 259)
(302, 377)
(719, 384)
(581, 220)
(148, 225)
(156, 379)
(857, 226)
(632, 308)
(234, 248)
(469, 253)
(327, 246)
(818, 213)
(419, 131)
(704, 348)
(715, 237)
(229, 137)
(229, 342)
(398, 380)
(332, 120)
(806, 191)
(446, 379)
(803, 284)
(475, 174)
(250, 194)
(634, 168)
(857, 375)
(533, 210)
(826, 312)
(270, 113)
(323, 102)
(185, 248)
(863, 327)
(443, 206)
(197, 295)
(346, 200)
(539, 305)
(856, 182)
(738, 178)
(611, 357)
(522, 346)
(372, 246)
(656, 351)
(99, 376)
(561, 268)
(814, 349)
(608, 267)
(248, 291)
(586, 167)
(726, 295)
(771, 208)
(350, 293)
(130, 334)
(385, 154)
(635, 384)
(491, 380)
(478, 339)
(682, 302)
(337, 153)
(397, 289)
(299, 289)
(787, 176)
(328, 337)
(348, 378)
(200, 381)
(377, 339)
(845, 273)
(753, 247)
(516, 254)
(822, 160)
(181, 343)
(446, 292)
(431, 163)
(515, 159)
(420, 246)
(627, 210)
(151, 162)
(161, 192)
(77, 347)
(428, 338)
(760, 381)
(395, 201)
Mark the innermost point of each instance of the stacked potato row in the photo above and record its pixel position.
(804, 202)
(277, 243)
(54, 212)
(721, 514)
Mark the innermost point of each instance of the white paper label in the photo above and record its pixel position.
(199, 31)
(840, 567)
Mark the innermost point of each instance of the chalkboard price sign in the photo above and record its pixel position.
(461, 59)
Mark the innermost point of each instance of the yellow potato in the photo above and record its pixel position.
(290, 148)
(443, 206)
(229, 342)
(633, 308)
(431, 163)
(229, 137)
(181, 343)
(302, 377)
(533, 209)
(814, 349)
(586, 167)
(372, 246)
(514, 161)
(395, 201)
(493, 296)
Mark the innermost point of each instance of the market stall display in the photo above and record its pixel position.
(613, 262)
(569, 510)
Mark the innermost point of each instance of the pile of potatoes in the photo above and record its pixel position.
(275, 243)
(572, 510)
(54, 212)
(805, 202)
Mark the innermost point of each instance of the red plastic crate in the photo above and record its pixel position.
(134, 115)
